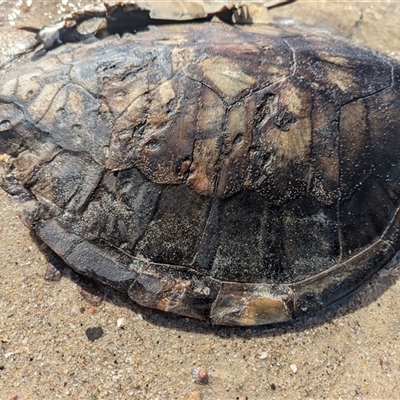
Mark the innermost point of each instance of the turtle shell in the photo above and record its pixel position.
(245, 175)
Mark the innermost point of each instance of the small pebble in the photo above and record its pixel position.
(263, 355)
(5, 158)
(196, 395)
(121, 322)
(52, 273)
(75, 309)
(93, 309)
(200, 375)
(94, 333)
(293, 367)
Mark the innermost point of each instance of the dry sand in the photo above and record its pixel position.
(350, 351)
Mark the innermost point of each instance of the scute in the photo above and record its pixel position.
(245, 177)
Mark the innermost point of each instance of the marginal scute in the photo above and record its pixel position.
(241, 304)
(330, 285)
(173, 289)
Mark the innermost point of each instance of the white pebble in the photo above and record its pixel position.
(121, 322)
(293, 367)
(263, 355)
